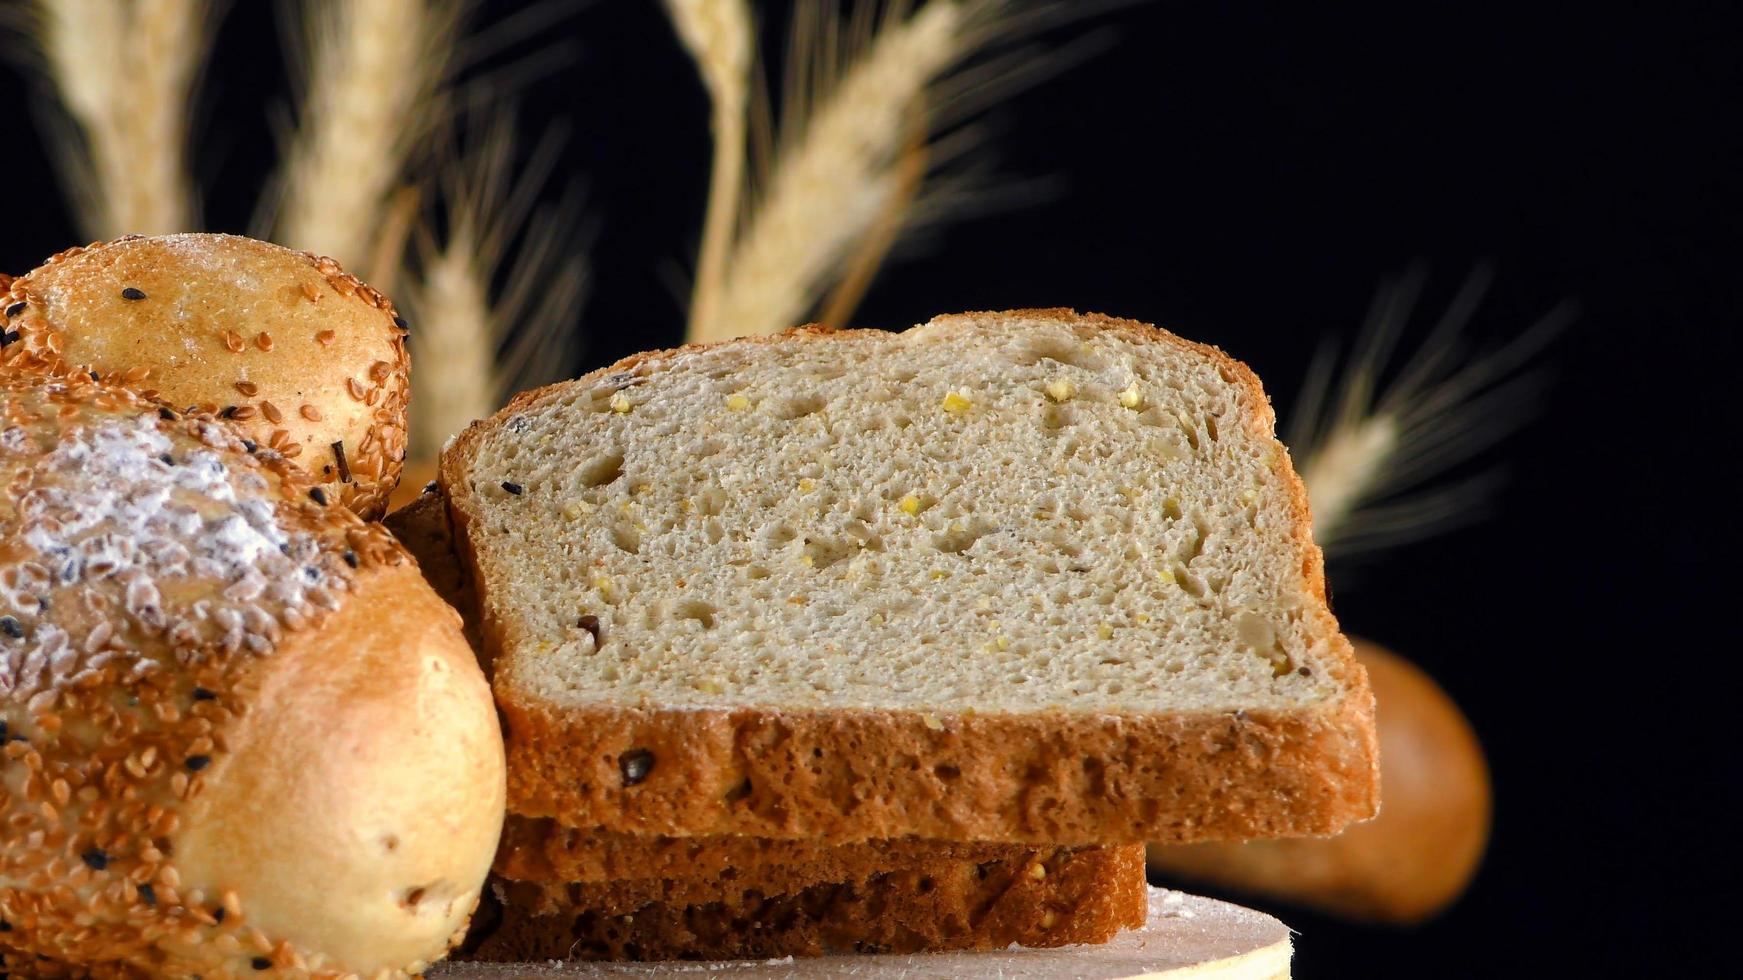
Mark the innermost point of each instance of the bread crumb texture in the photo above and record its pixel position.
(304, 358)
(1032, 527)
(149, 562)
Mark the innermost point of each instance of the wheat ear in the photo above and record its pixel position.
(125, 71)
(371, 73)
(1370, 458)
(854, 94)
(720, 36)
(473, 346)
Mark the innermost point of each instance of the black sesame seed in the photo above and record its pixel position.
(9, 337)
(635, 765)
(590, 623)
(339, 457)
(318, 495)
(167, 459)
(250, 445)
(166, 415)
(228, 412)
(5, 926)
(95, 858)
(284, 548)
(201, 694)
(95, 377)
(513, 488)
(197, 762)
(260, 963)
(132, 293)
(15, 309)
(351, 558)
(17, 737)
(148, 894)
(1304, 671)
(398, 321)
(10, 627)
(218, 914)
(431, 487)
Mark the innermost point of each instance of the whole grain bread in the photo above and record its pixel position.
(1026, 576)
(957, 897)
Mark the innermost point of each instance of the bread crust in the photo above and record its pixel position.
(954, 898)
(219, 692)
(847, 775)
(303, 357)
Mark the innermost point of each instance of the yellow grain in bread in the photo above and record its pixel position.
(305, 358)
(240, 733)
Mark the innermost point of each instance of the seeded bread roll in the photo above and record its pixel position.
(964, 896)
(306, 359)
(241, 734)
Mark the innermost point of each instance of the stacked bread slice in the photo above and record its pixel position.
(850, 640)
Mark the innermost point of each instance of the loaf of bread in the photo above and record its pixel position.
(881, 900)
(1185, 937)
(305, 359)
(241, 734)
(1026, 577)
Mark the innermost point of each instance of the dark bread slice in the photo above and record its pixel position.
(960, 897)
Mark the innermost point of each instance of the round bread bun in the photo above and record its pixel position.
(304, 358)
(242, 737)
(1406, 864)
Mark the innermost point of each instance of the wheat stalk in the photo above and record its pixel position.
(720, 36)
(473, 346)
(125, 72)
(855, 93)
(372, 73)
(1368, 457)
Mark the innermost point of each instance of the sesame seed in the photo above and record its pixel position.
(250, 445)
(351, 558)
(219, 913)
(260, 963)
(318, 495)
(264, 341)
(132, 293)
(95, 858)
(9, 337)
(431, 487)
(197, 762)
(339, 457)
(271, 412)
(513, 488)
(398, 321)
(248, 388)
(201, 694)
(167, 460)
(232, 341)
(148, 894)
(10, 627)
(310, 412)
(325, 337)
(229, 412)
(166, 415)
(15, 309)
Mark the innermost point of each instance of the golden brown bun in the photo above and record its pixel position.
(242, 734)
(1408, 863)
(306, 359)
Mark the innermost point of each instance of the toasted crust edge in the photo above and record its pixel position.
(1021, 778)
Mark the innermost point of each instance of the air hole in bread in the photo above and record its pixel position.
(791, 407)
(601, 470)
(698, 611)
(626, 538)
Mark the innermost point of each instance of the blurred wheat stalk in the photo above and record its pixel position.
(799, 218)
(125, 71)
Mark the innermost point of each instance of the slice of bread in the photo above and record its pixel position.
(1025, 576)
(929, 898)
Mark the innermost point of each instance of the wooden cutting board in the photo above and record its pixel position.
(1186, 938)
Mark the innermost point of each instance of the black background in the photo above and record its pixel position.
(1245, 174)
